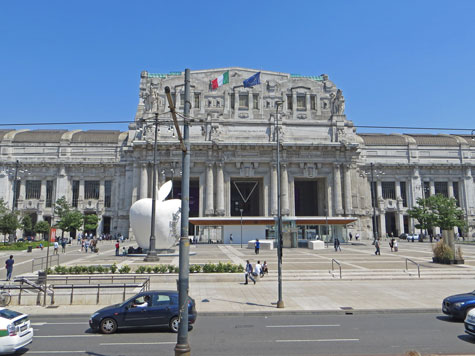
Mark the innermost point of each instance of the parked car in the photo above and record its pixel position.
(470, 322)
(151, 308)
(457, 306)
(15, 331)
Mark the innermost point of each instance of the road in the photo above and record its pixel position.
(363, 334)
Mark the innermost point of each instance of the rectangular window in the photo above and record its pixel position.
(403, 193)
(255, 101)
(441, 188)
(33, 189)
(289, 102)
(232, 101)
(197, 101)
(426, 190)
(243, 101)
(49, 193)
(389, 190)
(107, 193)
(313, 102)
(456, 192)
(91, 189)
(301, 104)
(75, 193)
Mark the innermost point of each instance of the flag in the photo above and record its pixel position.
(253, 80)
(222, 79)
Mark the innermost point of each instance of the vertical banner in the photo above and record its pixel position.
(52, 235)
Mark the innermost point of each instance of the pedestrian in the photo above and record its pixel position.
(391, 244)
(357, 236)
(63, 245)
(117, 246)
(248, 272)
(9, 267)
(264, 269)
(231, 238)
(395, 246)
(124, 251)
(86, 245)
(257, 246)
(336, 244)
(56, 247)
(351, 236)
(257, 269)
(376, 245)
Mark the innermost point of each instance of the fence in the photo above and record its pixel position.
(39, 262)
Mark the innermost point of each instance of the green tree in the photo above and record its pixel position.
(91, 221)
(71, 220)
(61, 207)
(9, 223)
(27, 224)
(42, 227)
(3, 207)
(423, 214)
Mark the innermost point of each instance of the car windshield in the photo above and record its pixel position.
(9, 314)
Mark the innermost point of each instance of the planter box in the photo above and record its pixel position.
(448, 262)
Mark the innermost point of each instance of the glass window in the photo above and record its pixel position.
(389, 190)
(197, 101)
(107, 193)
(255, 100)
(49, 193)
(301, 105)
(232, 101)
(75, 193)
(182, 100)
(289, 102)
(403, 193)
(243, 101)
(91, 189)
(441, 188)
(313, 102)
(33, 189)
(426, 189)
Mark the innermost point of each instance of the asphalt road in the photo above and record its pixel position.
(368, 334)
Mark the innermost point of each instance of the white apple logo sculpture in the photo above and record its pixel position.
(167, 219)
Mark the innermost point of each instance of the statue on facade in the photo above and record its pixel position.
(338, 103)
(150, 99)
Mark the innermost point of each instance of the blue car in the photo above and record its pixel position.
(457, 306)
(146, 309)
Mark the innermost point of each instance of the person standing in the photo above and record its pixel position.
(351, 236)
(357, 236)
(9, 267)
(117, 246)
(56, 247)
(257, 246)
(231, 238)
(63, 245)
(376, 245)
(336, 244)
(248, 272)
(395, 245)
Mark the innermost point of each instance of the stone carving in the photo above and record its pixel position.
(272, 86)
(150, 99)
(301, 116)
(243, 115)
(338, 103)
(167, 219)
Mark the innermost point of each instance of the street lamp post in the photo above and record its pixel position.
(152, 252)
(373, 194)
(15, 185)
(241, 210)
(280, 302)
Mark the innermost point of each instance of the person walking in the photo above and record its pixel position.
(248, 272)
(56, 247)
(257, 246)
(117, 246)
(357, 236)
(376, 245)
(63, 245)
(395, 245)
(9, 267)
(351, 236)
(336, 244)
(231, 238)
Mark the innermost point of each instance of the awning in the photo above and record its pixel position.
(270, 220)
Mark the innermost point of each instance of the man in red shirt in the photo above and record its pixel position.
(117, 248)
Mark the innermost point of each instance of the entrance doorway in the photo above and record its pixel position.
(245, 195)
(306, 198)
(391, 224)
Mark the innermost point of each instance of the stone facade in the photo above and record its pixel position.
(325, 165)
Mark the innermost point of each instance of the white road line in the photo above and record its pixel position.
(57, 352)
(63, 336)
(319, 340)
(47, 323)
(138, 343)
(301, 326)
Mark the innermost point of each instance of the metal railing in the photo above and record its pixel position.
(338, 263)
(417, 264)
(39, 262)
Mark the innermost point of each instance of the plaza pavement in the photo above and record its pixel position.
(369, 283)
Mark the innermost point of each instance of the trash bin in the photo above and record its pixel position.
(30, 248)
(41, 277)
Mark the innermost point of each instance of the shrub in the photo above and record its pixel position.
(76, 270)
(91, 269)
(171, 268)
(100, 269)
(209, 268)
(162, 268)
(140, 269)
(124, 269)
(149, 269)
(49, 271)
(156, 269)
(195, 268)
(114, 268)
(443, 252)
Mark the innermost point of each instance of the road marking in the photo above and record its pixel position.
(52, 336)
(138, 343)
(318, 340)
(47, 323)
(57, 352)
(300, 326)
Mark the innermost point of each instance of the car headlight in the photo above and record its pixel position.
(458, 305)
(94, 315)
(470, 318)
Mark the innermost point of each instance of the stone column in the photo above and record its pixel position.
(209, 190)
(284, 192)
(400, 223)
(43, 194)
(348, 208)
(143, 181)
(379, 192)
(81, 193)
(251, 106)
(127, 186)
(62, 186)
(135, 182)
(398, 195)
(450, 187)
(432, 187)
(307, 103)
(220, 189)
(294, 105)
(273, 190)
(337, 189)
(236, 104)
(382, 222)
(416, 189)
(101, 196)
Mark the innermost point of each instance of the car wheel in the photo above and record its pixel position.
(174, 324)
(108, 326)
(466, 312)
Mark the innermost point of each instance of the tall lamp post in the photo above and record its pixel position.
(241, 210)
(280, 302)
(373, 195)
(152, 252)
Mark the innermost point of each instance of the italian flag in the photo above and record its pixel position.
(222, 79)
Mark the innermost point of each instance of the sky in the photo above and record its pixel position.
(407, 63)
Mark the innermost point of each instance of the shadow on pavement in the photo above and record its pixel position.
(243, 303)
(467, 338)
(448, 319)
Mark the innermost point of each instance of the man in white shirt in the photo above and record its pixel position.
(56, 247)
(257, 269)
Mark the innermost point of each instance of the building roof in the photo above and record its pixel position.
(40, 136)
(383, 140)
(435, 140)
(96, 136)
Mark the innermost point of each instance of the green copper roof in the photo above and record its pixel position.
(318, 78)
(163, 75)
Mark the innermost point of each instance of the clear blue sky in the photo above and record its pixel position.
(399, 63)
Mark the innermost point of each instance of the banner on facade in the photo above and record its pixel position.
(52, 234)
